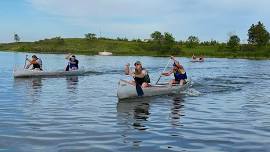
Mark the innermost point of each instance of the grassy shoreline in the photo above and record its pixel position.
(125, 48)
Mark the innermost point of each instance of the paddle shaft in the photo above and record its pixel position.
(139, 90)
(163, 71)
(26, 56)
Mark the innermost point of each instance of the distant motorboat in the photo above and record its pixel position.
(105, 53)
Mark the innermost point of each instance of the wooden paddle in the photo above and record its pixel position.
(26, 57)
(163, 71)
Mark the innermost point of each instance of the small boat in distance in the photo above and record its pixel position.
(197, 59)
(105, 53)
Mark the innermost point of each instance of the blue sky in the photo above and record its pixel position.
(207, 19)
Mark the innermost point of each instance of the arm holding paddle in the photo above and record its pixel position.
(27, 66)
(68, 56)
(167, 73)
(163, 71)
(128, 70)
(26, 58)
(176, 62)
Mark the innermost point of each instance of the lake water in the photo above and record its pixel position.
(226, 109)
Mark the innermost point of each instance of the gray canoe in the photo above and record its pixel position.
(128, 90)
(22, 73)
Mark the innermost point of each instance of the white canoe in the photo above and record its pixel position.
(20, 73)
(197, 60)
(104, 53)
(127, 90)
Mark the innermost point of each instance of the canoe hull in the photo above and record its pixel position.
(126, 90)
(197, 60)
(105, 53)
(37, 73)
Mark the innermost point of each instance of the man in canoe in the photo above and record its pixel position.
(73, 63)
(140, 74)
(35, 62)
(180, 76)
(201, 59)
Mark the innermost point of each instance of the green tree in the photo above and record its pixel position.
(90, 36)
(168, 38)
(57, 40)
(157, 36)
(121, 39)
(192, 42)
(233, 43)
(156, 42)
(258, 35)
(168, 41)
(17, 38)
(162, 42)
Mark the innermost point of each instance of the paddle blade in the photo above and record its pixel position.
(139, 90)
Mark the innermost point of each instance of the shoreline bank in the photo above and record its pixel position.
(127, 48)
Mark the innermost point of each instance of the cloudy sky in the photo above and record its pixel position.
(207, 19)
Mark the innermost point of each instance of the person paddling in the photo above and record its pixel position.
(140, 74)
(73, 63)
(35, 62)
(180, 76)
(194, 57)
(201, 58)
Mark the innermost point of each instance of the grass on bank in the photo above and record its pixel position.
(92, 47)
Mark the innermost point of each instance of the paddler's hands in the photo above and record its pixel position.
(68, 56)
(127, 70)
(173, 58)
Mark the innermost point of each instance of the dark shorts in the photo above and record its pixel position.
(181, 77)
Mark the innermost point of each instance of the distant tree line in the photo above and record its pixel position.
(55, 40)
(258, 37)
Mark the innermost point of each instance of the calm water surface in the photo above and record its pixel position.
(226, 109)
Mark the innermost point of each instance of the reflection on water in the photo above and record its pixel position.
(32, 87)
(136, 112)
(176, 110)
(226, 109)
(72, 83)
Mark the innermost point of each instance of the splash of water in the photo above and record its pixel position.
(192, 92)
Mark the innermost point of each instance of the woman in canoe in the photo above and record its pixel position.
(35, 62)
(73, 63)
(140, 74)
(194, 57)
(180, 76)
